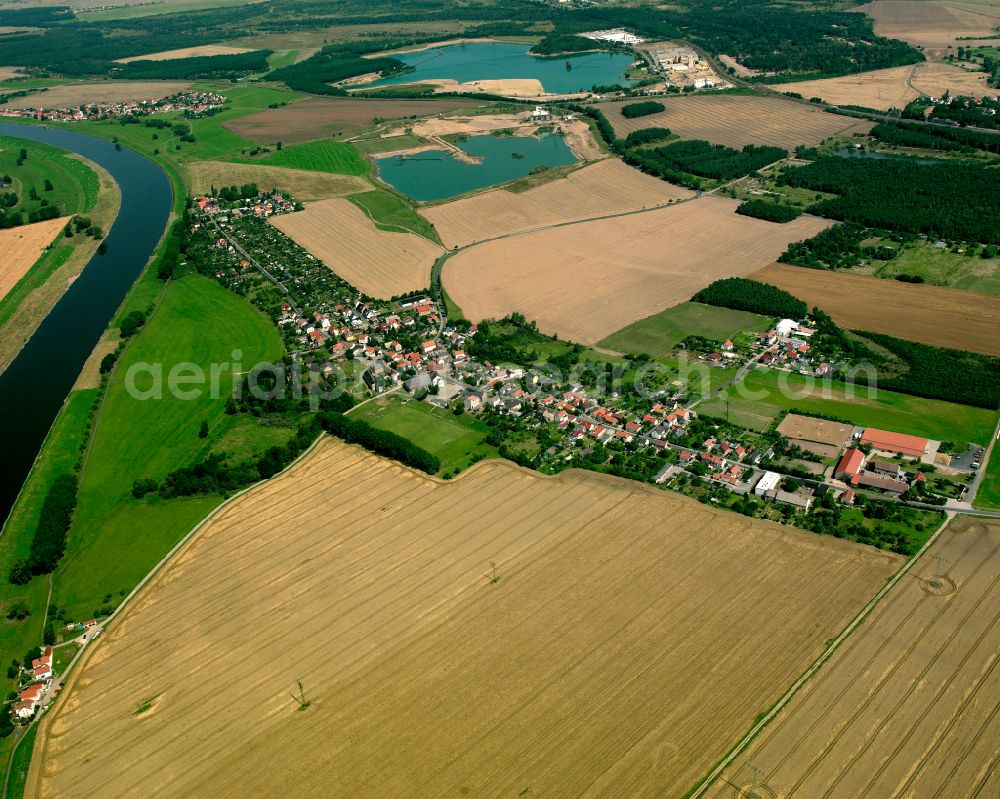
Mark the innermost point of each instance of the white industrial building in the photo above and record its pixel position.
(616, 35)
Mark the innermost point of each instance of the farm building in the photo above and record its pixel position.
(767, 482)
(900, 443)
(849, 465)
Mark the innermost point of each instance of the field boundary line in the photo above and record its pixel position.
(710, 779)
(41, 740)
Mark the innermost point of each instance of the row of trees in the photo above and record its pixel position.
(953, 200)
(381, 442)
(964, 140)
(742, 294)
(49, 540)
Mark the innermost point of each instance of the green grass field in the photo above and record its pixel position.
(324, 155)
(763, 396)
(389, 212)
(19, 765)
(988, 495)
(115, 539)
(282, 58)
(132, 11)
(454, 439)
(74, 184)
(659, 334)
(941, 267)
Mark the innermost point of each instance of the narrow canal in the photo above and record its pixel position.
(34, 386)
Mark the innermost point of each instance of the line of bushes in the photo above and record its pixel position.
(742, 294)
(770, 212)
(49, 540)
(381, 442)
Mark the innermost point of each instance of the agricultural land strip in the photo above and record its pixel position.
(301, 183)
(187, 52)
(604, 188)
(932, 25)
(375, 583)
(73, 94)
(908, 705)
(736, 121)
(381, 263)
(585, 281)
(935, 315)
(22, 246)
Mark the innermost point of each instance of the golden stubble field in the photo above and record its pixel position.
(587, 280)
(737, 121)
(187, 52)
(22, 246)
(630, 637)
(73, 94)
(380, 263)
(607, 187)
(891, 88)
(303, 184)
(933, 24)
(908, 707)
(937, 315)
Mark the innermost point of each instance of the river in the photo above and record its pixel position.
(35, 385)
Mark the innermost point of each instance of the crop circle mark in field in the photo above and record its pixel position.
(748, 791)
(938, 586)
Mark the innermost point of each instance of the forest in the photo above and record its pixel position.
(49, 540)
(906, 134)
(952, 200)
(837, 247)
(771, 212)
(698, 157)
(219, 66)
(642, 109)
(742, 294)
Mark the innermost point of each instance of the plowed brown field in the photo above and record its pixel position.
(909, 704)
(934, 315)
(607, 187)
(380, 263)
(319, 117)
(588, 280)
(737, 121)
(22, 246)
(630, 636)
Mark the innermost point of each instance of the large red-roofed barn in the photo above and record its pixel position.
(913, 446)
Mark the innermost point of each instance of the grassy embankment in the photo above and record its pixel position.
(657, 335)
(944, 421)
(79, 187)
(988, 495)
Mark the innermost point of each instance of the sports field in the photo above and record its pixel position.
(908, 705)
(601, 189)
(765, 392)
(608, 653)
(382, 263)
(586, 281)
(737, 121)
(658, 334)
(935, 315)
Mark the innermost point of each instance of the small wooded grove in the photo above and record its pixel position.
(647, 136)
(642, 109)
(771, 212)
(49, 540)
(952, 200)
(381, 442)
(742, 294)
(908, 134)
(678, 161)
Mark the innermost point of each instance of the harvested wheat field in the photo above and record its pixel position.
(607, 187)
(737, 121)
(319, 117)
(930, 24)
(809, 428)
(303, 184)
(630, 635)
(73, 94)
(908, 706)
(890, 88)
(589, 280)
(380, 263)
(22, 246)
(187, 52)
(935, 315)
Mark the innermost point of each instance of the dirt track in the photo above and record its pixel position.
(630, 637)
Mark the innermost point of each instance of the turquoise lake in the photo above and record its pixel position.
(499, 60)
(437, 174)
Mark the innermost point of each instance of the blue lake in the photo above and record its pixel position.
(437, 174)
(501, 60)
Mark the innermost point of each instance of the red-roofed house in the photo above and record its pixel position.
(849, 464)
